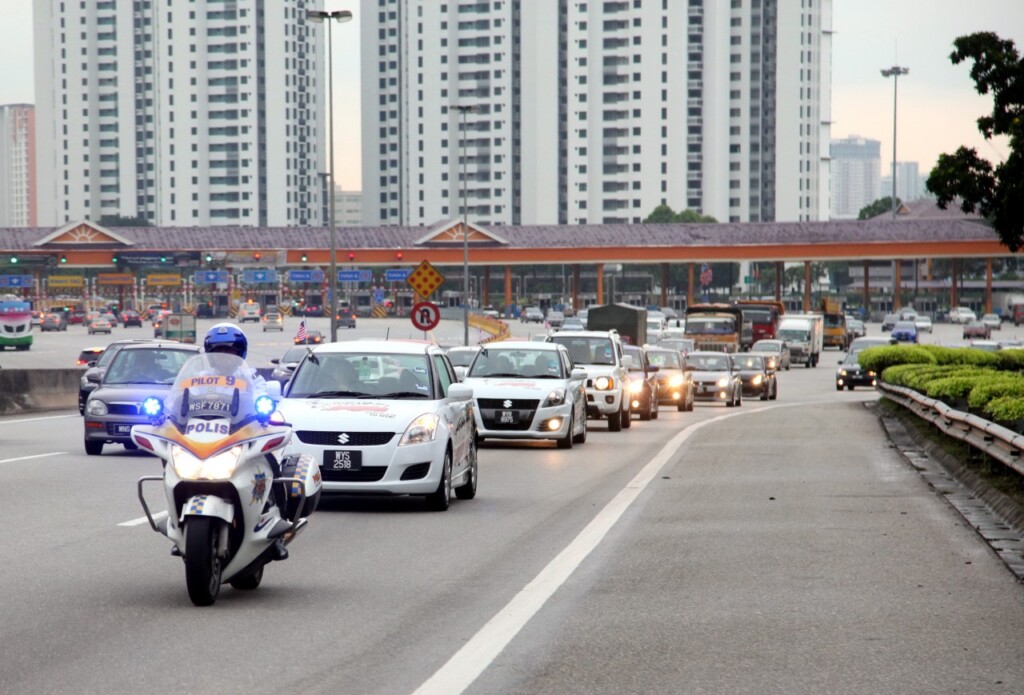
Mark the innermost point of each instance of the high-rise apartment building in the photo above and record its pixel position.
(856, 170)
(17, 166)
(179, 112)
(909, 183)
(595, 112)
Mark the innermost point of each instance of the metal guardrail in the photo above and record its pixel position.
(1002, 444)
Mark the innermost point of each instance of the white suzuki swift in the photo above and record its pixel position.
(384, 418)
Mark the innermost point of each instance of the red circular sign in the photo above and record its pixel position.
(425, 315)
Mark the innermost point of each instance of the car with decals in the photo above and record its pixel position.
(528, 390)
(135, 373)
(384, 417)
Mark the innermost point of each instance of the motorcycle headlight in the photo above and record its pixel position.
(420, 430)
(556, 397)
(604, 383)
(676, 380)
(96, 407)
(636, 386)
(265, 406)
(152, 407)
(723, 382)
(220, 466)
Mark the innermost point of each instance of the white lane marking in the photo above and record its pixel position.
(143, 520)
(34, 456)
(480, 651)
(37, 419)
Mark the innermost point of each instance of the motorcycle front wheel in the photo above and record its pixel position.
(202, 564)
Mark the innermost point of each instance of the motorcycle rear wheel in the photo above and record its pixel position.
(202, 565)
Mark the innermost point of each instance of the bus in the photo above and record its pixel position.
(15, 323)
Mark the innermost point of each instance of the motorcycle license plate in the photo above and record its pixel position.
(122, 429)
(343, 460)
(507, 417)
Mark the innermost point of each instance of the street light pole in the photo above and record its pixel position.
(465, 229)
(320, 16)
(894, 72)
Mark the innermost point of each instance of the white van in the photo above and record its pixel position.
(249, 312)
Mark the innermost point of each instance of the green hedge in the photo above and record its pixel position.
(1006, 410)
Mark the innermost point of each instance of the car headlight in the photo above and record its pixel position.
(218, 467)
(96, 407)
(556, 397)
(676, 380)
(843, 372)
(871, 374)
(420, 430)
(757, 380)
(723, 382)
(636, 385)
(604, 383)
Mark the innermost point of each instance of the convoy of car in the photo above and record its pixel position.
(716, 377)
(757, 378)
(644, 393)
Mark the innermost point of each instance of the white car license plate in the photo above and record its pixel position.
(507, 417)
(122, 429)
(343, 460)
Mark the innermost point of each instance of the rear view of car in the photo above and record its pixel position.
(249, 312)
(905, 332)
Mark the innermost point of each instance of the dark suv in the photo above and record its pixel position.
(643, 383)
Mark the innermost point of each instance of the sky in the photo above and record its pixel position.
(937, 108)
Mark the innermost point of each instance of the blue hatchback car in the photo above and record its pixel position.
(904, 332)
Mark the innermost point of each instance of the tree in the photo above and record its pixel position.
(879, 207)
(663, 214)
(996, 192)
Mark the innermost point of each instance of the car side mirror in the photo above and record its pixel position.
(653, 369)
(276, 360)
(92, 377)
(578, 373)
(460, 373)
(689, 368)
(460, 392)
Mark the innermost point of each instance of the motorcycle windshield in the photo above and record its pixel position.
(215, 386)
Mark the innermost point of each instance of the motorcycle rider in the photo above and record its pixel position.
(229, 338)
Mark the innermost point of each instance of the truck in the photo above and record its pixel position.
(760, 320)
(629, 321)
(804, 334)
(834, 315)
(715, 326)
(180, 327)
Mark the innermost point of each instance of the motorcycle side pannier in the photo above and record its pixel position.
(304, 467)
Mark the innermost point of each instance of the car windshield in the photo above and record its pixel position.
(665, 359)
(582, 350)
(362, 375)
(749, 362)
(905, 326)
(852, 358)
(710, 325)
(146, 366)
(708, 363)
(515, 362)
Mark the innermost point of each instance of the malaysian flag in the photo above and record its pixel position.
(705, 275)
(300, 337)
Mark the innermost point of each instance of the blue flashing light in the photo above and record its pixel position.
(152, 407)
(265, 406)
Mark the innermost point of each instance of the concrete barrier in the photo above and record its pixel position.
(26, 390)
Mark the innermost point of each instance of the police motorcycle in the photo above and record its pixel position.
(229, 511)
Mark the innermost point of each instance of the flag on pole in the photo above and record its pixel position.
(300, 337)
(705, 275)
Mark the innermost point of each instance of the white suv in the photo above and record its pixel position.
(248, 312)
(599, 353)
(961, 314)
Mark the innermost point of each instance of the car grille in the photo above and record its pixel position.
(321, 438)
(489, 408)
(417, 471)
(122, 408)
(366, 474)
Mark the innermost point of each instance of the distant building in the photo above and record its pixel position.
(909, 183)
(591, 113)
(855, 176)
(181, 113)
(348, 208)
(17, 166)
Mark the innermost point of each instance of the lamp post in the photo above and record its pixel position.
(463, 110)
(321, 16)
(894, 72)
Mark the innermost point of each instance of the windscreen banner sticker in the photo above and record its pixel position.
(229, 382)
(373, 410)
(207, 431)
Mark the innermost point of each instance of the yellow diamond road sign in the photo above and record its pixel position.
(425, 279)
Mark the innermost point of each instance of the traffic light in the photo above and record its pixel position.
(257, 256)
(13, 260)
(63, 259)
(305, 258)
(163, 259)
(209, 258)
(113, 259)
